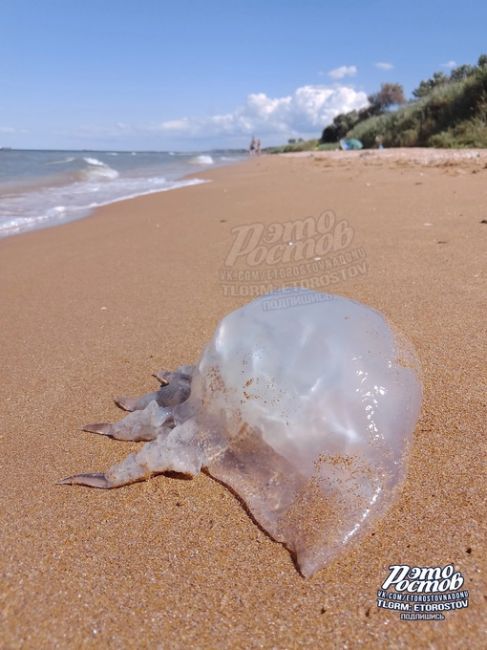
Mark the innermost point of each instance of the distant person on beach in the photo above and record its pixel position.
(252, 147)
(257, 147)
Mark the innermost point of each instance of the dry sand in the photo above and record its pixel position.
(91, 308)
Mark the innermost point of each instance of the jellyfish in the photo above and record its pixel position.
(303, 403)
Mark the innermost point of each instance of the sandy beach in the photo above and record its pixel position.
(91, 308)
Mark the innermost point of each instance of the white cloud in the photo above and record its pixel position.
(184, 124)
(449, 65)
(306, 111)
(343, 71)
(383, 65)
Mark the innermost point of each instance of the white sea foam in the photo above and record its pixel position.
(34, 194)
(94, 161)
(54, 205)
(98, 170)
(203, 159)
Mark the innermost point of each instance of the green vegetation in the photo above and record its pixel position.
(452, 114)
(389, 95)
(446, 111)
(295, 145)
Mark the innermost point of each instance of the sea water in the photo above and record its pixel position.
(45, 188)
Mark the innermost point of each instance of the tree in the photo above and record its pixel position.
(329, 134)
(390, 94)
(425, 87)
(462, 72)
(482, 62)
(341, 126)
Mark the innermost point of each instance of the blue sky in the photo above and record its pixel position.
(200, 74)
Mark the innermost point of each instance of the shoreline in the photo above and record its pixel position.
(41, 221)
(421, 156)
(91, 308)
(93, 210)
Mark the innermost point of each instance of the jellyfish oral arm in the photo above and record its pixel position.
(175, 451)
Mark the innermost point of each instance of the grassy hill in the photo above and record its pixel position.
(453, 114)
(448, 111)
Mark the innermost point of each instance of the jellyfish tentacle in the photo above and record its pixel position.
(167, 376)
(175, 451)
(96, 480)
(162, 376)
(142, 425)
(136, 403)
(175, 389)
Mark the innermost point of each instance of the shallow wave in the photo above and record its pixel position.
(98, 170)
(94, 161)
(33, 194)
(55, 205)
(203, 159)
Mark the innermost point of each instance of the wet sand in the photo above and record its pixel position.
(90, 309)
